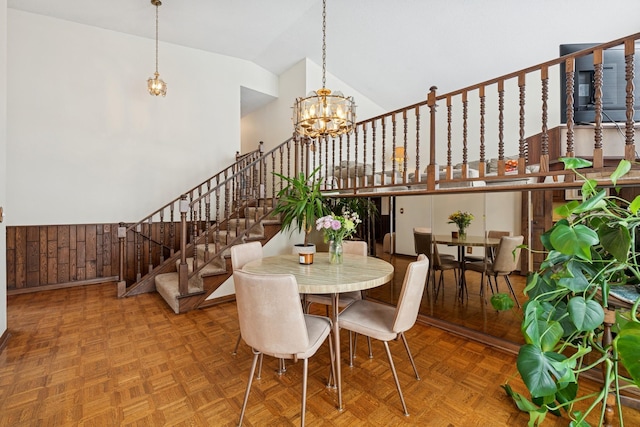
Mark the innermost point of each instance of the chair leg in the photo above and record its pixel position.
(235, 349)
(355, 344)
(246, 393)
(351, 348)
(332, 358)
(506, 278)
(370, 351)
(395, 377)
(406, 347)
(305, 371)
(260, 366)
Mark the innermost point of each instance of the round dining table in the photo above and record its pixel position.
(462, 244)
(356, 273)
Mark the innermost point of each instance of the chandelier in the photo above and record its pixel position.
(322, 112)
(155, 84)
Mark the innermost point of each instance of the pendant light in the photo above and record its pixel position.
(155, 84)
(324, 113)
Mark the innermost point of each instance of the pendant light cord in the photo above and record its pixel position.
(157, 5)
(324, 43)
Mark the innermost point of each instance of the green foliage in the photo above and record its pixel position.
(591, 249)
(301, 202)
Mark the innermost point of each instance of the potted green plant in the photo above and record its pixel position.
(591, 251)
(300, 203)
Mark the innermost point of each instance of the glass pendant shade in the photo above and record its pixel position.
(156, 86)
(323, 113)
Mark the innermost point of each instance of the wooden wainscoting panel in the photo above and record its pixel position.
(42, 256)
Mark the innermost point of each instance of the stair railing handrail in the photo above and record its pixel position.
(188, 247)
(137, 228)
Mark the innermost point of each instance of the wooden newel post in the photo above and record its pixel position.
(607, 338)
(432, 168)
(183, 269)
(122, 283)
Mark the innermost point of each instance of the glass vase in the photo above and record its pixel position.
(335, 252)
(462, 233)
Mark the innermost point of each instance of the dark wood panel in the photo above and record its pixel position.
(46, 255)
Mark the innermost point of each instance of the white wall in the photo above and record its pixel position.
(3, 164)
(296, 82)
(86, 142)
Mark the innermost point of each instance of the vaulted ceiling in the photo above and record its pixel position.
(391, 51)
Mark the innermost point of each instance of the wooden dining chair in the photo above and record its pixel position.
(386, 323)
(272, 322)
(240, 255)
(506, 260)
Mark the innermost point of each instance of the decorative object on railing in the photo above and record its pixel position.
(322, 112)
(155, 84)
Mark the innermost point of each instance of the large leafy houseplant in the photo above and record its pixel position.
(300, 202)
(589, 251)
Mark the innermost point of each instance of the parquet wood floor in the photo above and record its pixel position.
(82, 357)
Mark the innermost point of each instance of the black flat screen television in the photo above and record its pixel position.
(614, 85)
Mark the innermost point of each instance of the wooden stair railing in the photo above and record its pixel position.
(402, 149)
(398, 152)
(149, 246)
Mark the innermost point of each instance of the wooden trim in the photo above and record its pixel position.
(4, 339)
(97, 281)
(471, 334)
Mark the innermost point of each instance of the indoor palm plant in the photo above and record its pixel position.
(591, 250)
(300, 202)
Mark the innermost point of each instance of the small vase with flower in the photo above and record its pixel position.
(462, 220)
(336, 228)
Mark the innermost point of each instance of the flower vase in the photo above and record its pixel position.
(335, 252)
(462, 233)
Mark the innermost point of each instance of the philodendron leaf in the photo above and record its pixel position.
(586, 315)
(550, 334)
(576, 240)
(623, 167)
(539, 369)
(573, 278)
(575, 163)
(536, 414)
(592, 203)
(635, 205)
(628, 344)
(501, 302)
(616, 240)
(566, 210)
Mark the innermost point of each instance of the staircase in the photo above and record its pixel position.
(242, 229)
(496, 135)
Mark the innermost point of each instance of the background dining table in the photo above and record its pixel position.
(356, 273)
(462, 244)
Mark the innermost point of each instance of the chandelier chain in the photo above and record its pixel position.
(157, 5)
(324, 43)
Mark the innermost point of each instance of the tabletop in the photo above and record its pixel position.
(446, 239)
(356, 273)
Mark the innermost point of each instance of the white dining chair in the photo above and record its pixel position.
(386, 323)
(272, 322)
(240, 255)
